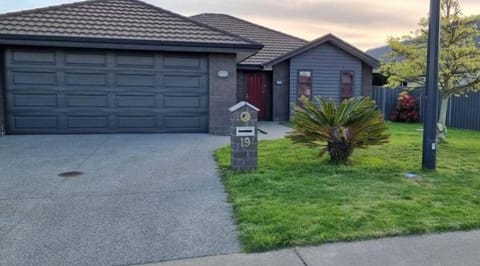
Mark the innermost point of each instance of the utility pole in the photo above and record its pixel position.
(431, 91)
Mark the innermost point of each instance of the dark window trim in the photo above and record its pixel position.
(299, 83)
(340, 84)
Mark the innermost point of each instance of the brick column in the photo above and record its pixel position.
(244, 138)
(222, 92)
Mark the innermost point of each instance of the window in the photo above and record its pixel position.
(305, 83)
(346, 85)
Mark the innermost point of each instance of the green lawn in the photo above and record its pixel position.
(296, 199)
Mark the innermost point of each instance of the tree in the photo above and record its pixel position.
(459, 58)
(338, 130)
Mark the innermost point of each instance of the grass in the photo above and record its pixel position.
(296, 199)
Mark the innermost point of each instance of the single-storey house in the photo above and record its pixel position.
(288, 67)
(126, 66)
(116, 66)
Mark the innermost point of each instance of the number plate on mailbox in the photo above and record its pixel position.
(245, 131)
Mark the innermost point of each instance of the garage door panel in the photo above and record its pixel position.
(134, 61)
(135, 80)
(79, 100)
(136, 121)
(86, 79)
(182, 62)
(85, 59)
(87, 122)
(185, 63)
(88, 91)
(29, 57)
(38, 78)
(172, 81)
(35, 122)
(135, 101)
(192, 122)
(32, 100)
(180, 101)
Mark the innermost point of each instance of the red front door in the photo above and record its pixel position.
(256, 92)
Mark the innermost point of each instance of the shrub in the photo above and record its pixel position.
(406, 109)
(355, 123)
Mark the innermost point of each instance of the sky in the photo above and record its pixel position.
(363, 23)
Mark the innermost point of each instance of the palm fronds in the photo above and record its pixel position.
(338, 130)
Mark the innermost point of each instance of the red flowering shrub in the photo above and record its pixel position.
(406, 109)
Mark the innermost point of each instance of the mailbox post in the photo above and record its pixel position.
(243, 134)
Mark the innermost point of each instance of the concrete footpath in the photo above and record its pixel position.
(456, 248)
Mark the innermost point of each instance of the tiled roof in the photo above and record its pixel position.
(114, 19)
(275, 43)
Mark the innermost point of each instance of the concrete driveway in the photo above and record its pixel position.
(141, 199)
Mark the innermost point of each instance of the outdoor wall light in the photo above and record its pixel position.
(223, 74)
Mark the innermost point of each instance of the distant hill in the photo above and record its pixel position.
(381, 51)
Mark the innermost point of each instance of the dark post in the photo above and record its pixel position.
(431, 91)
(244, 136)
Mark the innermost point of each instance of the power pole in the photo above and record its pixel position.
(431, 91)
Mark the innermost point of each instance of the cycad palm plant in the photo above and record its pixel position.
(338, 130)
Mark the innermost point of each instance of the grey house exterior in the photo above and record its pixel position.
(327, 58)
(252, 75)
(326, 62)
(125, 66)
(115, 66)
(280, 62)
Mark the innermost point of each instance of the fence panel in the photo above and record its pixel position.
(463, 112)
(386, 99)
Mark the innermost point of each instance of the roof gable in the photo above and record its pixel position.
(329, 38)
(275, 43)
(242, 104)
(115, 19)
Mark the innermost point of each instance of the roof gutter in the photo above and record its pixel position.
(126, 44)
(249, 67)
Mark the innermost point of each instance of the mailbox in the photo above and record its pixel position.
(244, 117)
(245, 132)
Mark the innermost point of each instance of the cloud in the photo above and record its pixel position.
(364, 23)
(11, 6)
(347, 13)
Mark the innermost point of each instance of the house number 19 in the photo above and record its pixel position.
(246, 142)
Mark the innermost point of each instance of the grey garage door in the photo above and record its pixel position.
(90, 91)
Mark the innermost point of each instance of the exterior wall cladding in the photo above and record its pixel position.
(223, 92)
(281, 101)
(367, 80)
(326, 63)
(241, 90)
(2, 93)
